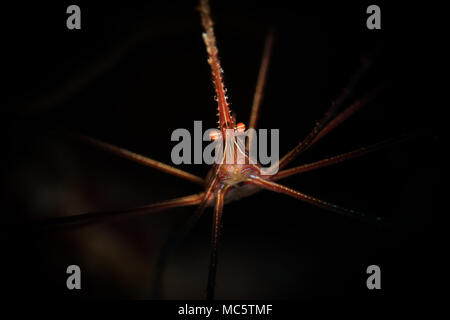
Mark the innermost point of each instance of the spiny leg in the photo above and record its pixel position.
(225, 120)
(273, 186)
(218, 208)
(261, 82)
(101, 217)
(339, 158)
(141, 159)
(329, 115)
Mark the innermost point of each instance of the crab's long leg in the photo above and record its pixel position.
(176, 236)
(100, 217)
(344, 115)
(338, 158)
(207, 194)
(313, 137)
(329, 115)
(218, 208)
(261, 82)
(225, 120)
(141, 159)
(273, 186)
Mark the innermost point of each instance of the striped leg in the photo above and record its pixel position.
(273, 186)
(141, 159)
(329, 115)
(339, 158)
(218, 208)
(261, 82)
(317, 133)
(101, 217)
(225, 120)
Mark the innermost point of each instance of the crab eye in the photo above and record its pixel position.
(214, 135)
(240, 127)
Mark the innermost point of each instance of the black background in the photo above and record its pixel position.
(135, 72)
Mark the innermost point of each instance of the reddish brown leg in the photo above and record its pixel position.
(261, 82)
(179, 234)
(101, 217)
(141, 159)
(218, 208)
(346, 114)
(273, 186)
(207, 194)
(329, 115)
(336, 159)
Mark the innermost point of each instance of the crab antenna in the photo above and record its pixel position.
(225, 120)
